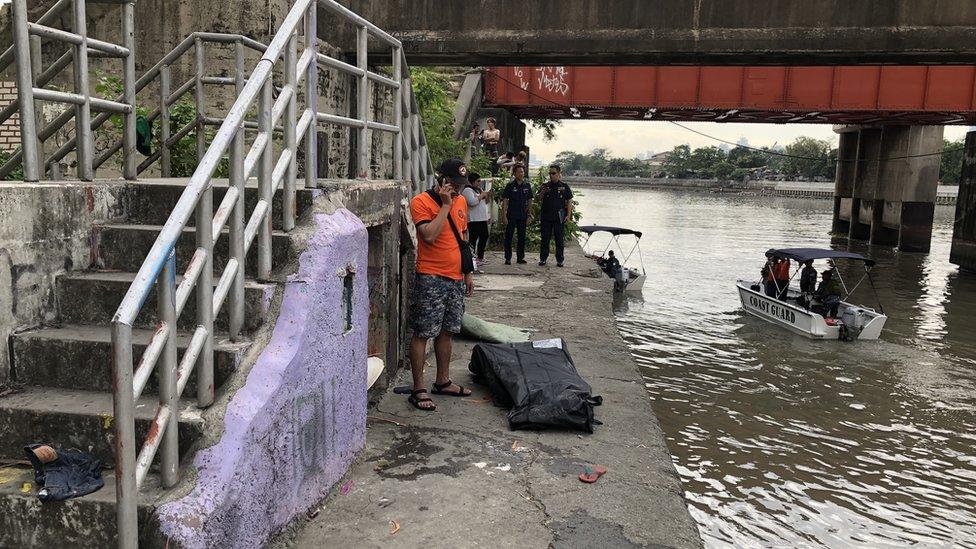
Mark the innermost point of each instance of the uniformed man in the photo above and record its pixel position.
(516, 204)
(557, 208)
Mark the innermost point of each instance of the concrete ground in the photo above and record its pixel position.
(458, 477)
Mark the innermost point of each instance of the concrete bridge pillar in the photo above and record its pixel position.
(892, 190)
(964, 232)
(844, 186)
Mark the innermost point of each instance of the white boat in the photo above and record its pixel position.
(851, 322)
(627, 278)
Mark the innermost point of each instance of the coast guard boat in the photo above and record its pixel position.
(801, 313)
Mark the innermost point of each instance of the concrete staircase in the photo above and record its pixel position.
(64, 374)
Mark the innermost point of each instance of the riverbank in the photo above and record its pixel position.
(945, 194)
(458, 477)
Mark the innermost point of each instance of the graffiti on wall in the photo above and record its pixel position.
(549, 79)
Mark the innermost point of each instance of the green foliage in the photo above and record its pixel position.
(546, 126)
(183, 153)
(950, 170)
(533, 230)
(809, 157)
(17, 174)
(678, 163)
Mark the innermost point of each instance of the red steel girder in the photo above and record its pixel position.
(880, 94)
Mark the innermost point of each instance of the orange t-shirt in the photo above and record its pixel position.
(782, 270)
(443, 257)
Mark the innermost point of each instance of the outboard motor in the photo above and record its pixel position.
(854, 319)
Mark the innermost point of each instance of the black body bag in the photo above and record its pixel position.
(538, 383)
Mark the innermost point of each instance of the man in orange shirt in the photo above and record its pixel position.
(440, 285)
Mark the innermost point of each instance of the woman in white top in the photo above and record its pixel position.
(478, 215)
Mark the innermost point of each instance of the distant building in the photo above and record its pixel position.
(656, 160)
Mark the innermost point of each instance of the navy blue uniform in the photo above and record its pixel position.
(519, 195)
(553, 197)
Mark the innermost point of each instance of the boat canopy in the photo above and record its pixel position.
(616, 231)
(807, 254)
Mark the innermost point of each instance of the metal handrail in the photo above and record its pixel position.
(273, 173)
(31, 81)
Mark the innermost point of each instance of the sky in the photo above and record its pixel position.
(625, 138)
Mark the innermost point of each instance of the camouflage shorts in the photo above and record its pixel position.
(438, 305)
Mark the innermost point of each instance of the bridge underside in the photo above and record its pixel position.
(745, 115)
(860, 95)
(627, 32)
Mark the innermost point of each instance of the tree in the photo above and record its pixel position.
(703, 160)
(808, 157)
(546, 126)
(950, 168)
(436, 104)
(723, 170)
(678, 161)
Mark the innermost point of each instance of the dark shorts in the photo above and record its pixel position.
(438, 305)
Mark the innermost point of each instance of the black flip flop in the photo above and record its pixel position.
(415, 400)
(439, 390)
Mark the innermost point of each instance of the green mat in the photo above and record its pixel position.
(492, 332)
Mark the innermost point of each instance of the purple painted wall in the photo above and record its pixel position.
(295, 426)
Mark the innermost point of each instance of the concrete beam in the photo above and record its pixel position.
(620, 32)
(964, 232)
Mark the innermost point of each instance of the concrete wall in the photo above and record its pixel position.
(295, 426)
(963, 251)
(568, 32)
(46, 231)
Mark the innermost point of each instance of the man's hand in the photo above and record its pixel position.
(468, 284)
(445, 192)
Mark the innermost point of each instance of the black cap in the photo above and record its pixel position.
(455, 170)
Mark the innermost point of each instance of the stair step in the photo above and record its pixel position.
(93, 297)
(80, 357)
(26, 522)
(152, 200)
(69, 418)
(124, 247)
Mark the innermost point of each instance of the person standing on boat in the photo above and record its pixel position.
(808, 281)
(557, 209)
(828, 293)
(781, 273)
(768, 281)
(516, 205)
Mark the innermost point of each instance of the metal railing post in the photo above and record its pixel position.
(265, 191)
(362, 97)
(168, 393)
(415, 148)
(85, 150)
(312, 98)
(397, 115)
(129, 90)
(126, 491)
(198, 98)
(205, 291)
(290, 120)
(165, 161)
(25, 92)
(235, 312)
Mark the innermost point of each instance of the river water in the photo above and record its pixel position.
(785, 442)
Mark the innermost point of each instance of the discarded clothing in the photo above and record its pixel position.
(538, 382)
(71, 474)
(491, 332)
